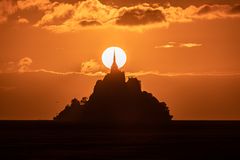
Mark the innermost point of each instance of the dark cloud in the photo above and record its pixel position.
(204, 10)
(89, 23)
(140, 17)
(220, 10)
(235, 9)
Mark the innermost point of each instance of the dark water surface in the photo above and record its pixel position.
(182, 140)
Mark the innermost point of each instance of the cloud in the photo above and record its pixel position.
(164, 46)
(216, 9)
(40, 4)
(7, 8)
(177, 45)
(89, 23)
(141, 73)
(213, 12)
(168, 45)
(23, 20)
(24, 64)
(76, 16)
(235, 9)
(58, 15)
(90, 66)
(21, 66)
(10, 7)
(177, 74)
(140, 16)
(190, 45)
(67, 17)
(94, 13)
(98, 73)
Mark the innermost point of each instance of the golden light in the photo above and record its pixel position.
(120, 55)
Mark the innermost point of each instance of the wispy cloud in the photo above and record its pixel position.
(177, 74)
(139, 73)
(143, 73)
(176, 44)
(97, 73)
(92, 68)
(190, 45)
(164, 46)
(89, 68)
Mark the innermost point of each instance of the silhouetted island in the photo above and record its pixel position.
(115, 102)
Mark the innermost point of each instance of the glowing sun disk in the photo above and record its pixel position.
(120, 55)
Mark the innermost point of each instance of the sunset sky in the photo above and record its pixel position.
(185, 53)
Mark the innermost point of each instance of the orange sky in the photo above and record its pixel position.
(185, 53)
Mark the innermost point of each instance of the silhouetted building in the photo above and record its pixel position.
(115, 102)
(114, 68)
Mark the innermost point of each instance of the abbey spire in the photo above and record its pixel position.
(114, 67)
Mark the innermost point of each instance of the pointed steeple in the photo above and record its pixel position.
(114, 57)
(114, 67)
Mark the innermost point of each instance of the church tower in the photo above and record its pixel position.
(114, 67)
(115, 75)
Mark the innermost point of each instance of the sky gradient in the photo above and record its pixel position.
(184, 53)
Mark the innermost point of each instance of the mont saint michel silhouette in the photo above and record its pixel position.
(117, 102)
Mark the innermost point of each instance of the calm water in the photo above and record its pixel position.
(182, 140)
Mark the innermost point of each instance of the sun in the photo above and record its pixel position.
(120, 55)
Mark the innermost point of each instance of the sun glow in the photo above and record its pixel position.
(120, 55)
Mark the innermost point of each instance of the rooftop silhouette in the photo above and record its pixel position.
(117, 102)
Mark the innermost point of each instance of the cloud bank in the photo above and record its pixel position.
(68, 17)
(92, 68)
